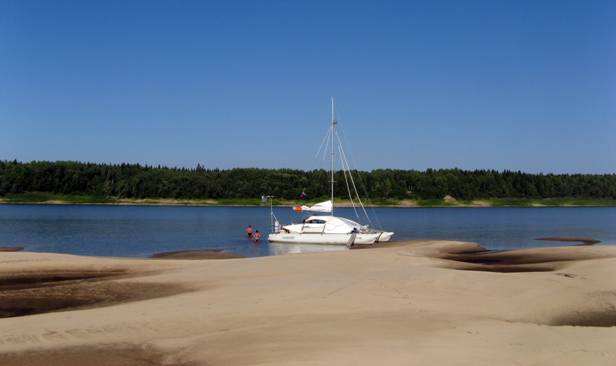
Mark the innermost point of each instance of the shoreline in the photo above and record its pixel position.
(478, 203)
(218, 253)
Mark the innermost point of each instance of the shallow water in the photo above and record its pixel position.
(139, 231)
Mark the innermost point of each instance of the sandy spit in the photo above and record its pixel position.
(416, 303)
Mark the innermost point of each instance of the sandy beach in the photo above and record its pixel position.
(414, 303)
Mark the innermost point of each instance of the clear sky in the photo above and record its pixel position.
(528, 85)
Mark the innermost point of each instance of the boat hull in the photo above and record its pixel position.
(384, 236)
(320, 238)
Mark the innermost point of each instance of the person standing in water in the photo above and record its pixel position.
(257, 236)
(249, 232)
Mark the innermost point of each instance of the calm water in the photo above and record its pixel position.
(139, 231)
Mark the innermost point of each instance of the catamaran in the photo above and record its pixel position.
(325, 227)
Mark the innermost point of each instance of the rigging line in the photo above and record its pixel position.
(348, 167)
(324, 141)
(344, 171)
(363, 186)
(352, 180)
(357, 193)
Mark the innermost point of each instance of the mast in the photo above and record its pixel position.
(333, 131)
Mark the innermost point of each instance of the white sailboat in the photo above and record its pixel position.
(330, 229)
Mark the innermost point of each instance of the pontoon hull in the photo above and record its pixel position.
(384, 236)
(333, 239)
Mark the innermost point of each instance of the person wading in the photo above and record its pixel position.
(249, 231)
(257, 236)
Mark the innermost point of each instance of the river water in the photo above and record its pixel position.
(140, 231)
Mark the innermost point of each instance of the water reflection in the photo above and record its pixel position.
(278, 249)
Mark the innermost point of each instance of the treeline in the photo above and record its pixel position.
(139, 181)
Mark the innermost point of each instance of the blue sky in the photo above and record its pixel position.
(528, 85)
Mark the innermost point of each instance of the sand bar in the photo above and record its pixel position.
(417, 303)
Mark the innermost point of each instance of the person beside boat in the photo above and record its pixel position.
(257, 236)
(249, 232)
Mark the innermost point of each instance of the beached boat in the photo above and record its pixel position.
(325, 227)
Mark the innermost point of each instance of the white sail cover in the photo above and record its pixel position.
(323, 207)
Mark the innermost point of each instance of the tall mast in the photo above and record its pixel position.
(333, 131)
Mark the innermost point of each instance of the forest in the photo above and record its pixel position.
(143, 181)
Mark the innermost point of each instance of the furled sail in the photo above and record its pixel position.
(322, 207)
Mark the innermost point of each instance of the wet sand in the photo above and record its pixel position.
(414, 303)
(197, 254)
(107, 355)
(11, 249)
(575, 239)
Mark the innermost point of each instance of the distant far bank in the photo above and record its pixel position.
(76, 182)
(447, 201)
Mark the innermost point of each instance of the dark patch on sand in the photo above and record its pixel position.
(579, 240)
(197, 254)
(11, 249)
(35, 293)
(110, 355)
(523, 260)
(600, 312)
(596, 318)
(41, 278)
(497, 261)
(506, 268)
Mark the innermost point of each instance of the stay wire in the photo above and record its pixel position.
(361, 181)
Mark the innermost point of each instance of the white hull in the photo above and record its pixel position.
(324, 238)
(384, 236)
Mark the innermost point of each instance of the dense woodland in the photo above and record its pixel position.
(138, 181)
